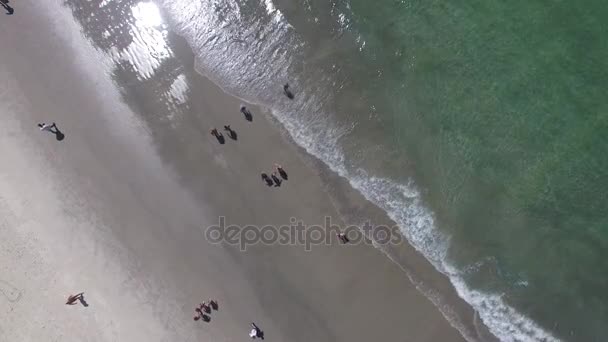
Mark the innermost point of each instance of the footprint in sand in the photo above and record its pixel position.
(11, 293)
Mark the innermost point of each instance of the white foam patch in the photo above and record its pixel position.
(272, 10)
(147, 14)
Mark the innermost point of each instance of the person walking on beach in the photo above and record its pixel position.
(201, 315)
(267, 179)
(343, 238)
(247, 113)
(73, 298)
(9, 9)
(277, 180)
(44, 127)
(231, 132)
(281, 171)
(219, 136)
(256, 332)
(213, 304)
(287, 91)
(204, 307)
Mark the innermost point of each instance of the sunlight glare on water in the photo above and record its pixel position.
(147, 14)
(149, 46)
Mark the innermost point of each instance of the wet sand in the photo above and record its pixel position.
(118, 209)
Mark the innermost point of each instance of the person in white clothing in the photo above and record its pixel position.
(48, 128)
(256, 332)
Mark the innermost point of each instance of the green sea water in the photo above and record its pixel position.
(502, 109)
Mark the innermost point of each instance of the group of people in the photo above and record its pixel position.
(279, 174)
(231, 133)
(203, 311)
(220, 137)
(274, 179)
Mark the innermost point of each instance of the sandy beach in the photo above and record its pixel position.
(119, 208)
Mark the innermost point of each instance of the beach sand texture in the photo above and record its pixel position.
(119, 207)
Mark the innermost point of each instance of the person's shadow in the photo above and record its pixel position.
(231, 133)
(277, 181)
(58, 134)
(283, 174)
(214, 305)
(9, 9)
(267, 179)
(247, 113)
(82, 301)
(287, 91)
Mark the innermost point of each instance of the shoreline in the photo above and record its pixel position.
(153, 210)
(349, 203)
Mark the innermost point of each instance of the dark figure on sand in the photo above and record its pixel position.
(231, 132)
(201, 312)
(281, 171)
(277, 181)
(44, 127)
(343, 238)
(256, 332)
(201, 315)
(204, 309)
(247, 113)
(77, 297)
(213, 304)
(287, 91)
(219, 136)
(9, 9)
(267, 179)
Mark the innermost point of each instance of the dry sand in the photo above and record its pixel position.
(118, 209)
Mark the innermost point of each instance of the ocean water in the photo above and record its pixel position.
(478, 126)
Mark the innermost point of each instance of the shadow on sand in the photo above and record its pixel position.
(277, 181)
(9, 9)
(267, 179)
(58, 135)
(231, 133)
(283, 174)
(287, 91)
(83, 302)
(247, 113)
